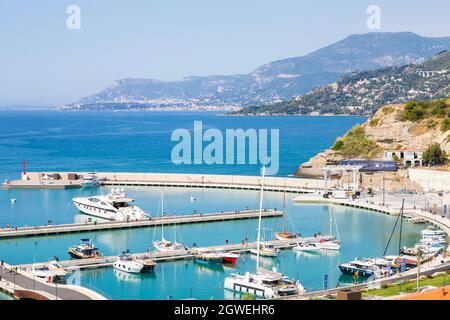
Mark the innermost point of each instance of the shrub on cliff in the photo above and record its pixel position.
(418, 110)
(434, 155)
(355, 144)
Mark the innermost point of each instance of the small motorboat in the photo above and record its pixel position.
(363, 268)
(230, 258)
(329, 245)
(51, 271)
(307, 247)
(126, 262)
(90, 180)
(431, 231)
(417, 220)
(266, 250)
(84, 250)
(209, 256)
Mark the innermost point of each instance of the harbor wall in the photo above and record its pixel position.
(430, 180)
(189, 179)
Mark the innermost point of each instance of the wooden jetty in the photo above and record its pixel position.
(33, 231)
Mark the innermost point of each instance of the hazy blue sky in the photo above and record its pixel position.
(42, 62)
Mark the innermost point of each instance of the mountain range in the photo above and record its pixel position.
(366, 91)
(275, 81)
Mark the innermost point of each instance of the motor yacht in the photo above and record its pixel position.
(126, 262)
(115, 206)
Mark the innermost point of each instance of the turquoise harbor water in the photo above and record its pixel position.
(141, 142)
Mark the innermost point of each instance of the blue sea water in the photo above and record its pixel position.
(140, 142)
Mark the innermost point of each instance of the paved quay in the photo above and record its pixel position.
(20, 232)
(13, 282)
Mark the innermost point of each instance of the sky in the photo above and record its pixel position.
(42, 62)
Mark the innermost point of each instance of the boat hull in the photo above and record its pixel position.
(352, 271)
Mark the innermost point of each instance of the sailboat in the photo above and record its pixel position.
(264, 283)
(332, 243)
(284, 235)
(164, 245)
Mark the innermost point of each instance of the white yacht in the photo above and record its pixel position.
(307, 247)
(90, 180)
(431, 231)
(330, 245)
(264, 284)
(115, 206)
(126, 263)
(51, 271)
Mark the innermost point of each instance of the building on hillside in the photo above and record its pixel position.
(409, 158)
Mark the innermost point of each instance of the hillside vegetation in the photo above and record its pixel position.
(365, 92)
(436, 110)
(355, 144)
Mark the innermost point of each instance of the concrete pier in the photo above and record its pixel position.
(238, 182)
(115, 225)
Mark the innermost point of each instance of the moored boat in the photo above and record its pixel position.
(126, 262)
(285, 235)
(306, 247)
(363, 268)
(90, 180)
(230, 258)
(84, 250)
(52, 271)
(115, 206)
(266, 250)
(164, 245)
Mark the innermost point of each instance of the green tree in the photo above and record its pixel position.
(434, 155)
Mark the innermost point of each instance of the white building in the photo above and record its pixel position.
(409, 158)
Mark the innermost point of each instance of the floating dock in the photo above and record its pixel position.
(34, 231)
(79, 264)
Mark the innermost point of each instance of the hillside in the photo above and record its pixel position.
(411, 126)
(276, 81)
(364, 92)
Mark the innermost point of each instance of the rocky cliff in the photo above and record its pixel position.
(388, 129)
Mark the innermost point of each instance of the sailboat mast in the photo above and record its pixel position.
(162, 214)
(284, 209)
(401, 227)
(331, 223)
(258, 240)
